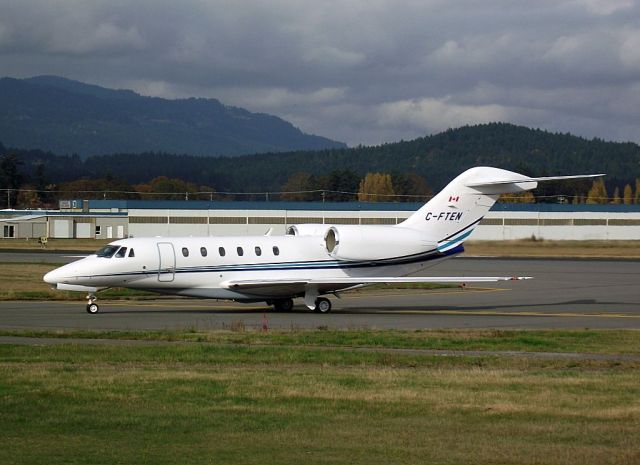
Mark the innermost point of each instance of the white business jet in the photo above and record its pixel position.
(312, 260)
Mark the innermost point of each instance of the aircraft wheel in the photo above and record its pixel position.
(283, 305)
(323, 305)
(92, 308)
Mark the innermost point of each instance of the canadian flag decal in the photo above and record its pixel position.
(454, 199)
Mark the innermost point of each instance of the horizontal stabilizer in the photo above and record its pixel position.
(522, 179)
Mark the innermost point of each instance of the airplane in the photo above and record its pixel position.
(310, 261)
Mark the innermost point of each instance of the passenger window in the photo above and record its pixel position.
(276, 250)
(185, 252)
(240, 251)
(132, 253)
(203, 251)
(221, 251)
(258, 251)
(122, 252)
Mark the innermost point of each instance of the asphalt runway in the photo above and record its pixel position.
(563, 294)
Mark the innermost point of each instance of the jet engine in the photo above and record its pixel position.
(374, 242)
(310, 229)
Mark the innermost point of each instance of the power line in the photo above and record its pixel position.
(271, 194)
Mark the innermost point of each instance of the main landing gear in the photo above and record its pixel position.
(322, 305)
(92, 306)
(283, 305)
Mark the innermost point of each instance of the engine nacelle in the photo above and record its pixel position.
(309, 229)
(374, 242)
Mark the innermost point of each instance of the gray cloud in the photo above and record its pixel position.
(358, 71)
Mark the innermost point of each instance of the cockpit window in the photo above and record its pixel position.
(122, 252)
(107, 251)
(132, 253)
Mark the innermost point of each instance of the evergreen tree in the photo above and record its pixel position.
(10, 177)
(341, 185)
(411, 187)
(298, 187)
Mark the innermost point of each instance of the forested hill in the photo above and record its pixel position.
(65, 116)
(437, 158)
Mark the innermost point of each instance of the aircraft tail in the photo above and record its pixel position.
(450, 217)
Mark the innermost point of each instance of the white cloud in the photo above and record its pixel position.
(429, 115)
(630, 49)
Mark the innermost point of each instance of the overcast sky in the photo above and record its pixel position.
(359, 71)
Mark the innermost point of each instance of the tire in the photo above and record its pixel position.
(283, 305)
(323, 305)
(92, 308)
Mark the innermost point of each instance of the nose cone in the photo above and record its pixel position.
(61, 274)
(52, 277)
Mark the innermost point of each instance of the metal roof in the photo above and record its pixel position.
(339, 206)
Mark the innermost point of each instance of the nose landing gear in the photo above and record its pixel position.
(92, 306)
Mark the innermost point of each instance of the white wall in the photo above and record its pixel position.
(246, 222)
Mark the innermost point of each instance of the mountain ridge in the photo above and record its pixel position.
(56, 114)
(438, 158)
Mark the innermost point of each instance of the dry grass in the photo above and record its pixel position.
(76, 404)
(568, 249)
(19, 277)
(54, 245)
(23, 281)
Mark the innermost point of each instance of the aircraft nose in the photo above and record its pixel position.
(51, 277)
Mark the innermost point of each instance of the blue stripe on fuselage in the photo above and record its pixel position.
(300, 266)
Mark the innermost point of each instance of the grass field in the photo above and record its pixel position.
(286, 401)
(566, 249)
(23, 281)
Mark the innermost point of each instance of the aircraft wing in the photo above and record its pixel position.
(274, 287)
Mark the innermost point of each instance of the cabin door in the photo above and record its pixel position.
(167, 262)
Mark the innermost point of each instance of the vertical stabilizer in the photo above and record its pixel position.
(451, 216)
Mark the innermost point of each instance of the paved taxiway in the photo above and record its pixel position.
(564, 294)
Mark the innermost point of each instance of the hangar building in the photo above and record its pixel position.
(107, 219)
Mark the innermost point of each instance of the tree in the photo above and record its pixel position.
(616, 196)
(166, 188)
(88, 189)
(627, 196)
(298, 186)
(376, 187)
(411, 186)
(27, 197)
(522, 197)
(598, 192)
(341, 185)
(10, 177)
